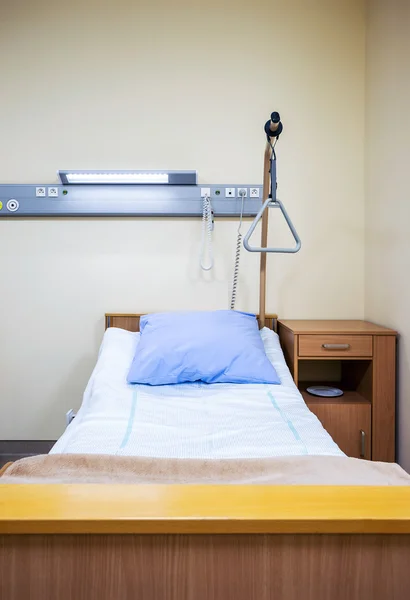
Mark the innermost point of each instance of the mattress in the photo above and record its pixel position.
(191, 420)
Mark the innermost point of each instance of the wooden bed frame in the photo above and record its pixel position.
(131, 321)
(219, 542)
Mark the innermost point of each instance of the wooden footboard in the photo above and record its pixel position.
(216, 509)
(205, 567)
(204, 542)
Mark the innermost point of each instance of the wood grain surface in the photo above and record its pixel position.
(331, 326)
(384, 399)
(131, 322)
(342, 346)
(264, 235)
(199, 567)
(345, 422)
(289, 344)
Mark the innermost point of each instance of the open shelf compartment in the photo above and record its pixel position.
(352, 376)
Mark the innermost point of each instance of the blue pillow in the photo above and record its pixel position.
(222, 346)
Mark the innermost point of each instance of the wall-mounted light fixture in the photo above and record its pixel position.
(128, 177)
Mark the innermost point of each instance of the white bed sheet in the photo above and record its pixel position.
(191, 420)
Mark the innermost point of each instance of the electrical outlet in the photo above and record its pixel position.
(230, 193)
(205, 192)
(254, 193)
(242, 192)
(53, 192)
(40, 192)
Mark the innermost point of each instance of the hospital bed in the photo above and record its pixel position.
(204, 537)
(202, 492)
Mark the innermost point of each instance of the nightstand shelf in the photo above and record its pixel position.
(349, 396)
(359, 358)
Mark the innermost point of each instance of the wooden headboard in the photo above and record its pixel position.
(131, 322)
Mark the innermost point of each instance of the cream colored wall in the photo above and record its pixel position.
(387, 298)
(95, 85)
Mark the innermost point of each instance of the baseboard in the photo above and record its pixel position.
(12, 450)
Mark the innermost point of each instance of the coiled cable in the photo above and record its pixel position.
(237, 255)
(207, 227)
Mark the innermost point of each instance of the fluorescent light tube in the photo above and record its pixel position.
(117, 177)
(128, 177)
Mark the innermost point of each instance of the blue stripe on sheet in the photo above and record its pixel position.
(288, 422)
(130, 419)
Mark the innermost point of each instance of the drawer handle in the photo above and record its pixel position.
(362, 443)
(336, 346)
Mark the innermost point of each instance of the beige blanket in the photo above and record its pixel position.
(290, 470)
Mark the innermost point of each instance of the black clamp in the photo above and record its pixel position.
(274, 118)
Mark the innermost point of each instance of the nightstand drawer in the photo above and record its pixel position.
(335, 345)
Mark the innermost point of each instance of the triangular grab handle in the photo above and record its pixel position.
(273, 204)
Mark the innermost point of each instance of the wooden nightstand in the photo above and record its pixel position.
(360, 358)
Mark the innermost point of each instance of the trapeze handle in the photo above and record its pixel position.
(274, 204)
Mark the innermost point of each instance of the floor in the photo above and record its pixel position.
(12, 450)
